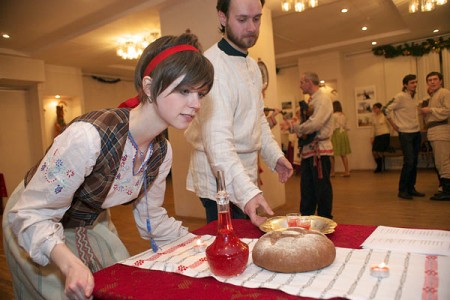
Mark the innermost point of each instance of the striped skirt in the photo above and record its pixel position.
(97, 246)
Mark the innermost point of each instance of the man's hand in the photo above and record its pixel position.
(251, 207)
(425, 110)
(394, 126)
(284, 125)
(284, 169)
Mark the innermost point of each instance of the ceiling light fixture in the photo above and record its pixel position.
(131, 47)
(298, 5)
(424, 5)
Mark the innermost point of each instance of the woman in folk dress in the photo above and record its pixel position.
(57, 230)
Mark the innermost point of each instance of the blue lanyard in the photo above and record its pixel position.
(153, 244)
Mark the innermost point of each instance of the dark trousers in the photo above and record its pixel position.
(211, 210)
(410, 143)
(315, 192)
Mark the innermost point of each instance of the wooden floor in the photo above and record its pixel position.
(364, 198)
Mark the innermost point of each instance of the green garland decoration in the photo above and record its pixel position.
(106, 80)
(412, 49)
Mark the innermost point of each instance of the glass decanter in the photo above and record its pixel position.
(227, 256)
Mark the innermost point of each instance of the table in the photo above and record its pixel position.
(125, 282)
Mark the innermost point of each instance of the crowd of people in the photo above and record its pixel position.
(57, 227)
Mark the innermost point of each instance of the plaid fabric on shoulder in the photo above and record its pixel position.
(112, 126)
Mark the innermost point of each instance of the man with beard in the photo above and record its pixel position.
(231, 129)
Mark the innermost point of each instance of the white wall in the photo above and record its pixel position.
(15, 142)
(175, 20)
(100, 95)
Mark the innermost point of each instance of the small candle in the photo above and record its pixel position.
(199, 246)
(380, 270)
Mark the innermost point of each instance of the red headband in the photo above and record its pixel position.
(166, 53)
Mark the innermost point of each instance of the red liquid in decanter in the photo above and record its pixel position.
(227, 255)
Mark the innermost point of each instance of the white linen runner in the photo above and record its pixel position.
(412, 276)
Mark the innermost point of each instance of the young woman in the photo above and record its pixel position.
(341, 143)
(381, 136)
(56, 226)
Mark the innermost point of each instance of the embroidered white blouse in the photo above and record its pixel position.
(35, 218)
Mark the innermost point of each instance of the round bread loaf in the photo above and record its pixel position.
(293, 250)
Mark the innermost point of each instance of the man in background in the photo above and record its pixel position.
(315, 185)
(231, 129)
(402, 114)
(437, 116)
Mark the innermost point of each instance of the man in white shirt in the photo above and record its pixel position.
(231, 129)
(437, 117)
(402, 113)
(315, 185)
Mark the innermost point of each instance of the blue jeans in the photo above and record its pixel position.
(211, 210)
(410, 143)
(315, 192)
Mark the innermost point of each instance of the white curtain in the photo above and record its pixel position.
(446, 67)
(426, 64)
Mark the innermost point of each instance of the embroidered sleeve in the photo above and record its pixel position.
(35, 217)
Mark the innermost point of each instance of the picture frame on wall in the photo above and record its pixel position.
(366, 93)
(365, 98)
(286, 106)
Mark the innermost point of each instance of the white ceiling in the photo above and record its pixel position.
(82, 33)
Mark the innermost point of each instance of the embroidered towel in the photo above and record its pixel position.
(412, 276)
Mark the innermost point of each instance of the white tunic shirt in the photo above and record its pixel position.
(36, 216)
(403, 111)
(321, 121)
(230, 130)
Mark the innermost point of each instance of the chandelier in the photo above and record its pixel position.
(131, 47)
(298, 5)
(424, 5)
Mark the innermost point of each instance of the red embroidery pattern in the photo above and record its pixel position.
(431, 280)
(199, 262)
(170, 250)
(139, 262)
(182, 268)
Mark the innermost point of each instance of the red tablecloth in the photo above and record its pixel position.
(125, 282)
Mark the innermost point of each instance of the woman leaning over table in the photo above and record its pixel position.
(56, 226)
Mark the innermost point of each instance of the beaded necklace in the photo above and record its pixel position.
(143, 169)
